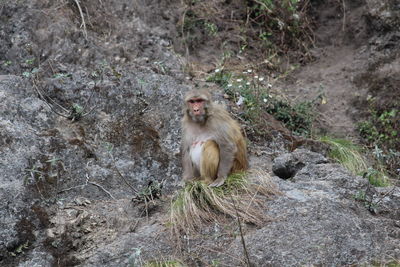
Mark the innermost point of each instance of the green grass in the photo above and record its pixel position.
(347, 154)
(350, 156)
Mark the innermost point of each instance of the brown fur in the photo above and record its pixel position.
(228, 149)
(209, 161)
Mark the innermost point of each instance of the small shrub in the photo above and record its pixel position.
(254, 95)
(380, 128)
(220, 77)
(267, 27)
(283, 25)
(298, 117)
(211, 28)
(376, 177)
(350, 156)
(381, 131)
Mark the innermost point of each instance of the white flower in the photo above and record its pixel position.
(249, 71)
(256, 77)
(281, 24)
(265, 100)
(240, 86)
(269, 85)
(239, 80)
(229, 85)
(217, 70)
(248, 83)
(261, 79)
(240, 101)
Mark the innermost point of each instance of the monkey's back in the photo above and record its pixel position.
(228, 128)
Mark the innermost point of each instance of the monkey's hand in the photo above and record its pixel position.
(218, 182)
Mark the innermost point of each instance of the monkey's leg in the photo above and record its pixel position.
(209, 161)
(240, 162)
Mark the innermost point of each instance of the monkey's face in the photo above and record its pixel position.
(197, 109)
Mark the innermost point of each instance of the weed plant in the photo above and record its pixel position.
(254, 95)
(283, 25)
(270, 27)
(350, 156)
(381, 131)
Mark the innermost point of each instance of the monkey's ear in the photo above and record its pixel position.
(185, 110)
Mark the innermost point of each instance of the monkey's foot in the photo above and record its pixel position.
(218, 182)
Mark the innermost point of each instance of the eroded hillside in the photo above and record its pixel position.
(90, 109)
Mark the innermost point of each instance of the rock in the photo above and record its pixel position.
(130, 137)
(384, 14)
(287, 165)
(323, 221)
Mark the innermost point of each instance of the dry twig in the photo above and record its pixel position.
(85, 184)
(71, 114)
(246, 253)
(83, 19)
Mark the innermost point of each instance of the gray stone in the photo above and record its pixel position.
(287, 165)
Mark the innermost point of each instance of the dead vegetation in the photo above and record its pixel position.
(262, 31)
(241, 196)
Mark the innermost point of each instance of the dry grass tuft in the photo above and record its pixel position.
(241, 195)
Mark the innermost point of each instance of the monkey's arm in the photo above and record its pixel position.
(226, 157)
(188, 172)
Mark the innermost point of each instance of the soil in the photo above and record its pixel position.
(329, 80)
(338, 56)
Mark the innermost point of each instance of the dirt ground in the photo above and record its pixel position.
(329, 80)
(338, 56)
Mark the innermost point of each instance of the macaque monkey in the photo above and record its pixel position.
(212, 143)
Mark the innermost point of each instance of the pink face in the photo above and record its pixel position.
(197, 106)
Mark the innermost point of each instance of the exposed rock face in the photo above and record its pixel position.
(21, 113)
(384, 14)
(132, 130)
(48, 158)
(322, 219)
(287, 165)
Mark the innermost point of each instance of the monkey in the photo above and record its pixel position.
(212, 142)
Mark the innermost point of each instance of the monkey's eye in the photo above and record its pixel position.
(192, 101)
